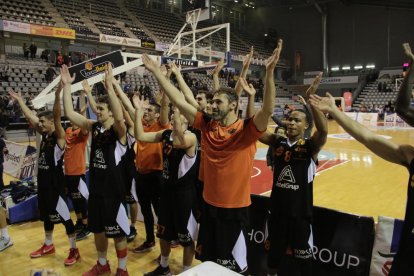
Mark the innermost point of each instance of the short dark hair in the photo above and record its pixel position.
(202, 91)
(47, 114)
(230, 94)
(307, 115)
(103, 99)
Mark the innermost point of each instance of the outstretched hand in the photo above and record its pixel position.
(65, 77)
(138, 103)
(174, 68)
(219, 66)
(248, 58)
(247, 87)
(324, 104)
(86, 87)
(150, 64)
(108, 75)
(15, 95)
(407, 51)
(274, 58)
(314, 86)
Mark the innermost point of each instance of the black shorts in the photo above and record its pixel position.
(403, 263)
(47, 203)
(72, 183)
(288, 235)
(177, 213)
(103, 214)
(222, 230)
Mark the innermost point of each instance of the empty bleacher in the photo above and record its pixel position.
(27, 11)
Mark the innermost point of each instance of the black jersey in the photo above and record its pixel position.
(50, 164)
(179, 169)
(129, 159)
(293, 174)
(106, 178)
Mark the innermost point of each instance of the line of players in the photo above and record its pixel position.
(167, 165)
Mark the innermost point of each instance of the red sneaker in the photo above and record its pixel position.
(73, 257)
(44, 250)
(98, 269)
(121, 272)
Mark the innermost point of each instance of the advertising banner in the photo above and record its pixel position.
(342, 243)
(334, 80)
(64, 33)
(387, 240)
(111, 39)
(179, 61)
(90, 68)
(13, 160)
(28, 166)
(41, 30)
(16, 27)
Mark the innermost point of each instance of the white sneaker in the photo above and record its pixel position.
(5, 243)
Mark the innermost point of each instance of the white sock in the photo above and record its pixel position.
(72, 242)
(102, 257)
(5, 233)
(186, 267)
(48, 238)
(164, 261)
(122, 263)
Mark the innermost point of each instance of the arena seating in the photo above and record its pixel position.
(371, 96)
(28, 11)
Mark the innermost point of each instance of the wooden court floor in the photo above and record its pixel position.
(364, 184)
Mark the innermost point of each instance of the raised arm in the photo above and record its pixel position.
(320, 135)
(261, 118)
(119, 124)
(398, 154)
(188, 94)
(57, 115)
(185, 140)
(30, 116)
(402, 106)
(88, 91)
(73, 116)
(124, 98)
(172, 92)
(251, 92)
(216, 72)
(246, 63)
(140, 135)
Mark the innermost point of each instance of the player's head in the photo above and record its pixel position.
(103, 109)
(183, 120)
(46, 121)
(281, 131)
(297, 123)
(201, 99)
(152, 112)
(225, 101)
(209, 103)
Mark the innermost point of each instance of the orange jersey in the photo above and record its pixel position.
(149, 155)
(227, 160)
(74, 157)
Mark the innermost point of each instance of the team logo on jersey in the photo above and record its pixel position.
(301, 142)
(42, 162)
(98, 160)
(287, 175)
(286, 179)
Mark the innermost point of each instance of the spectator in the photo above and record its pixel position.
(50, 73)
(6, 72)
(33, 50)
(26, 51)
(60, 60)
(45, 55)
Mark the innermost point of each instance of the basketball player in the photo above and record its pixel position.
(403, 103)
(149, 166)
(178, 198)
(399, 154)
(106, 204)
(50, 178)
(291, 200)
(74, 163)
(230, 145)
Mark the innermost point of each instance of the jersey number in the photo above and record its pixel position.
(288, 155)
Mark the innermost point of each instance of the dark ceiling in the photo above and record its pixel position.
(401, 4)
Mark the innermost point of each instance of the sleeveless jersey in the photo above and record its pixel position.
(293, 174)
(50, 164)
(179, 169)
(106, 177)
